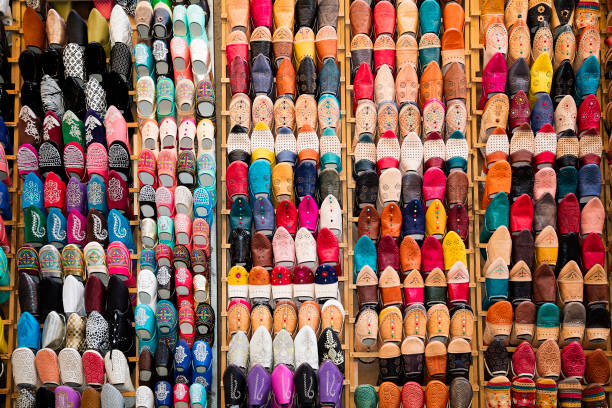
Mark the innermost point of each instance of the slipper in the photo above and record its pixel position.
(47, 367)
(118, 371)
(71, 367)
(165, 98)
(498, 322)
(197, 22)
(548, 360)
(185, 92)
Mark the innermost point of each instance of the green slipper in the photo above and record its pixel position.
(197, 22)
(496, 215)
(365, 396)
(547, 322)
(165, 98)
(179, 23)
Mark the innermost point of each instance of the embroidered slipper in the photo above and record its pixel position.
(456, 117)
(71, 367)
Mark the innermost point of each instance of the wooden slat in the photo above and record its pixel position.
(10, 329)
(223, 100)
(606, 195)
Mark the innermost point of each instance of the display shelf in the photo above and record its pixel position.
(476, 48)
(367, 373)
(133, 136)
(223, 99)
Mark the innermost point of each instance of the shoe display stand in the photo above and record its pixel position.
(134, 136)
(223, 129)
(367, 373)
(11, 316)
(10, 312)
(476, 49)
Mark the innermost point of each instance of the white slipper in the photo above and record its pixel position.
(71, 367)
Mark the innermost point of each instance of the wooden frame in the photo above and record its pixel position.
(10, 309)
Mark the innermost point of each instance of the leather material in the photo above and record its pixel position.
(494, 78)
(524, 322)
(360, 14)
(436, 394)
(542, 113)
(523, 248)
(543, 278)
(430, 83)
(455, 82)
(367, 286)
(307, 76)
(545, 212)
(563, 81)
(520, 110)
(414, 289)
(389, 285)
(368, 222)
(596, 371)
(596, 286)
(458, 221)
(410, 255)
(384, 52)
(34, 35)
(520, 283)
(592, 251)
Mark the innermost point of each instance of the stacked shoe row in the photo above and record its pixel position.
(547, 377)
(426, 342)
(284, 195)
(420, 104)
(174, 319)
(6, 148)
(607, 74)
(293, 258)
(289, 79)
(87, 334)
(6, 100)
(75, 198)
(174, 72)
(6, 143)
(568, 307)
(75, 264)
(546, 287)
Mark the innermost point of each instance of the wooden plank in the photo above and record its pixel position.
(18, 7)
(222, 220)
(606, 197)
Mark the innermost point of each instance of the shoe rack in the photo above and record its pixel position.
(223, 129)
(19, 8)
(10, 308)
(367, 373)
(475, 87)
